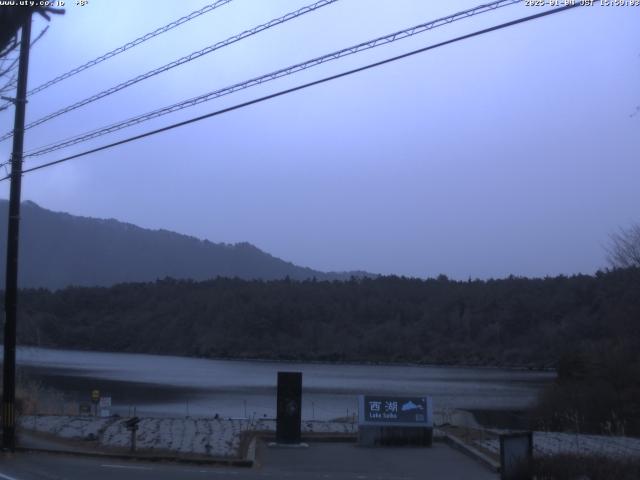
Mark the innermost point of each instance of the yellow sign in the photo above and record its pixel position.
(95, 395)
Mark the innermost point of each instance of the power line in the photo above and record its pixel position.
(128, 45)
(304, 86)
(188, 58)
(392, 37)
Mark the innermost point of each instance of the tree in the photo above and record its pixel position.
(11, 18)
(624, 247)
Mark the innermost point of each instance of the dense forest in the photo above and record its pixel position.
(513, 321)
(587, 327)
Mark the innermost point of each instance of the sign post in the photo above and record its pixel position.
(132, 426)
(390, 420)
(95, 398)
(289, 407)
(104, 407)
(516, 452)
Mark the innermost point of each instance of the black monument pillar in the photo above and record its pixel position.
(289, 407)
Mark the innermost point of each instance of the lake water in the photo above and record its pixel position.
(177, 386)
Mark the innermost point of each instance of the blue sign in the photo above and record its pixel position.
(398, 411)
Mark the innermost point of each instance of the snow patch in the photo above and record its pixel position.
(203, 436)
(550, 443)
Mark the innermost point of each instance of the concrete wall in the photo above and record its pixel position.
(386, 435)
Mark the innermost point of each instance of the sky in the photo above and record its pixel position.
(512, 153)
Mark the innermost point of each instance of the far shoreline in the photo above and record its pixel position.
(515, 368)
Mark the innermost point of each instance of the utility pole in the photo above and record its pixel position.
(11, 284)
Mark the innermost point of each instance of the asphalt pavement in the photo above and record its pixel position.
(327, 461)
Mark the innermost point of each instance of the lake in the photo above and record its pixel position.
(177, 386)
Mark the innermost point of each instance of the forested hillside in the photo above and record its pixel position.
(58, 250)
(514, 321)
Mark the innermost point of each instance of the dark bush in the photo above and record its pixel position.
(596, 392)
(592, 467)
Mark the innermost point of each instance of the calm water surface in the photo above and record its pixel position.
(168, 385)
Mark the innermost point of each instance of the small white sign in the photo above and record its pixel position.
(105, 402)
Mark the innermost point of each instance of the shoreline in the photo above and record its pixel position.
(515, 368)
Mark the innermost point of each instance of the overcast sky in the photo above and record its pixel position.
(512, 153)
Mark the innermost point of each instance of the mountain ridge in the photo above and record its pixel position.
(58, 249)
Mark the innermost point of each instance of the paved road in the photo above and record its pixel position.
(321, 461)
(349, 462)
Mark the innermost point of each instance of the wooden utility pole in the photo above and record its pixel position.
(11, 284)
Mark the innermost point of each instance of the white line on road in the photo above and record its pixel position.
(210, 472)
(130, 467)
(7, 477)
